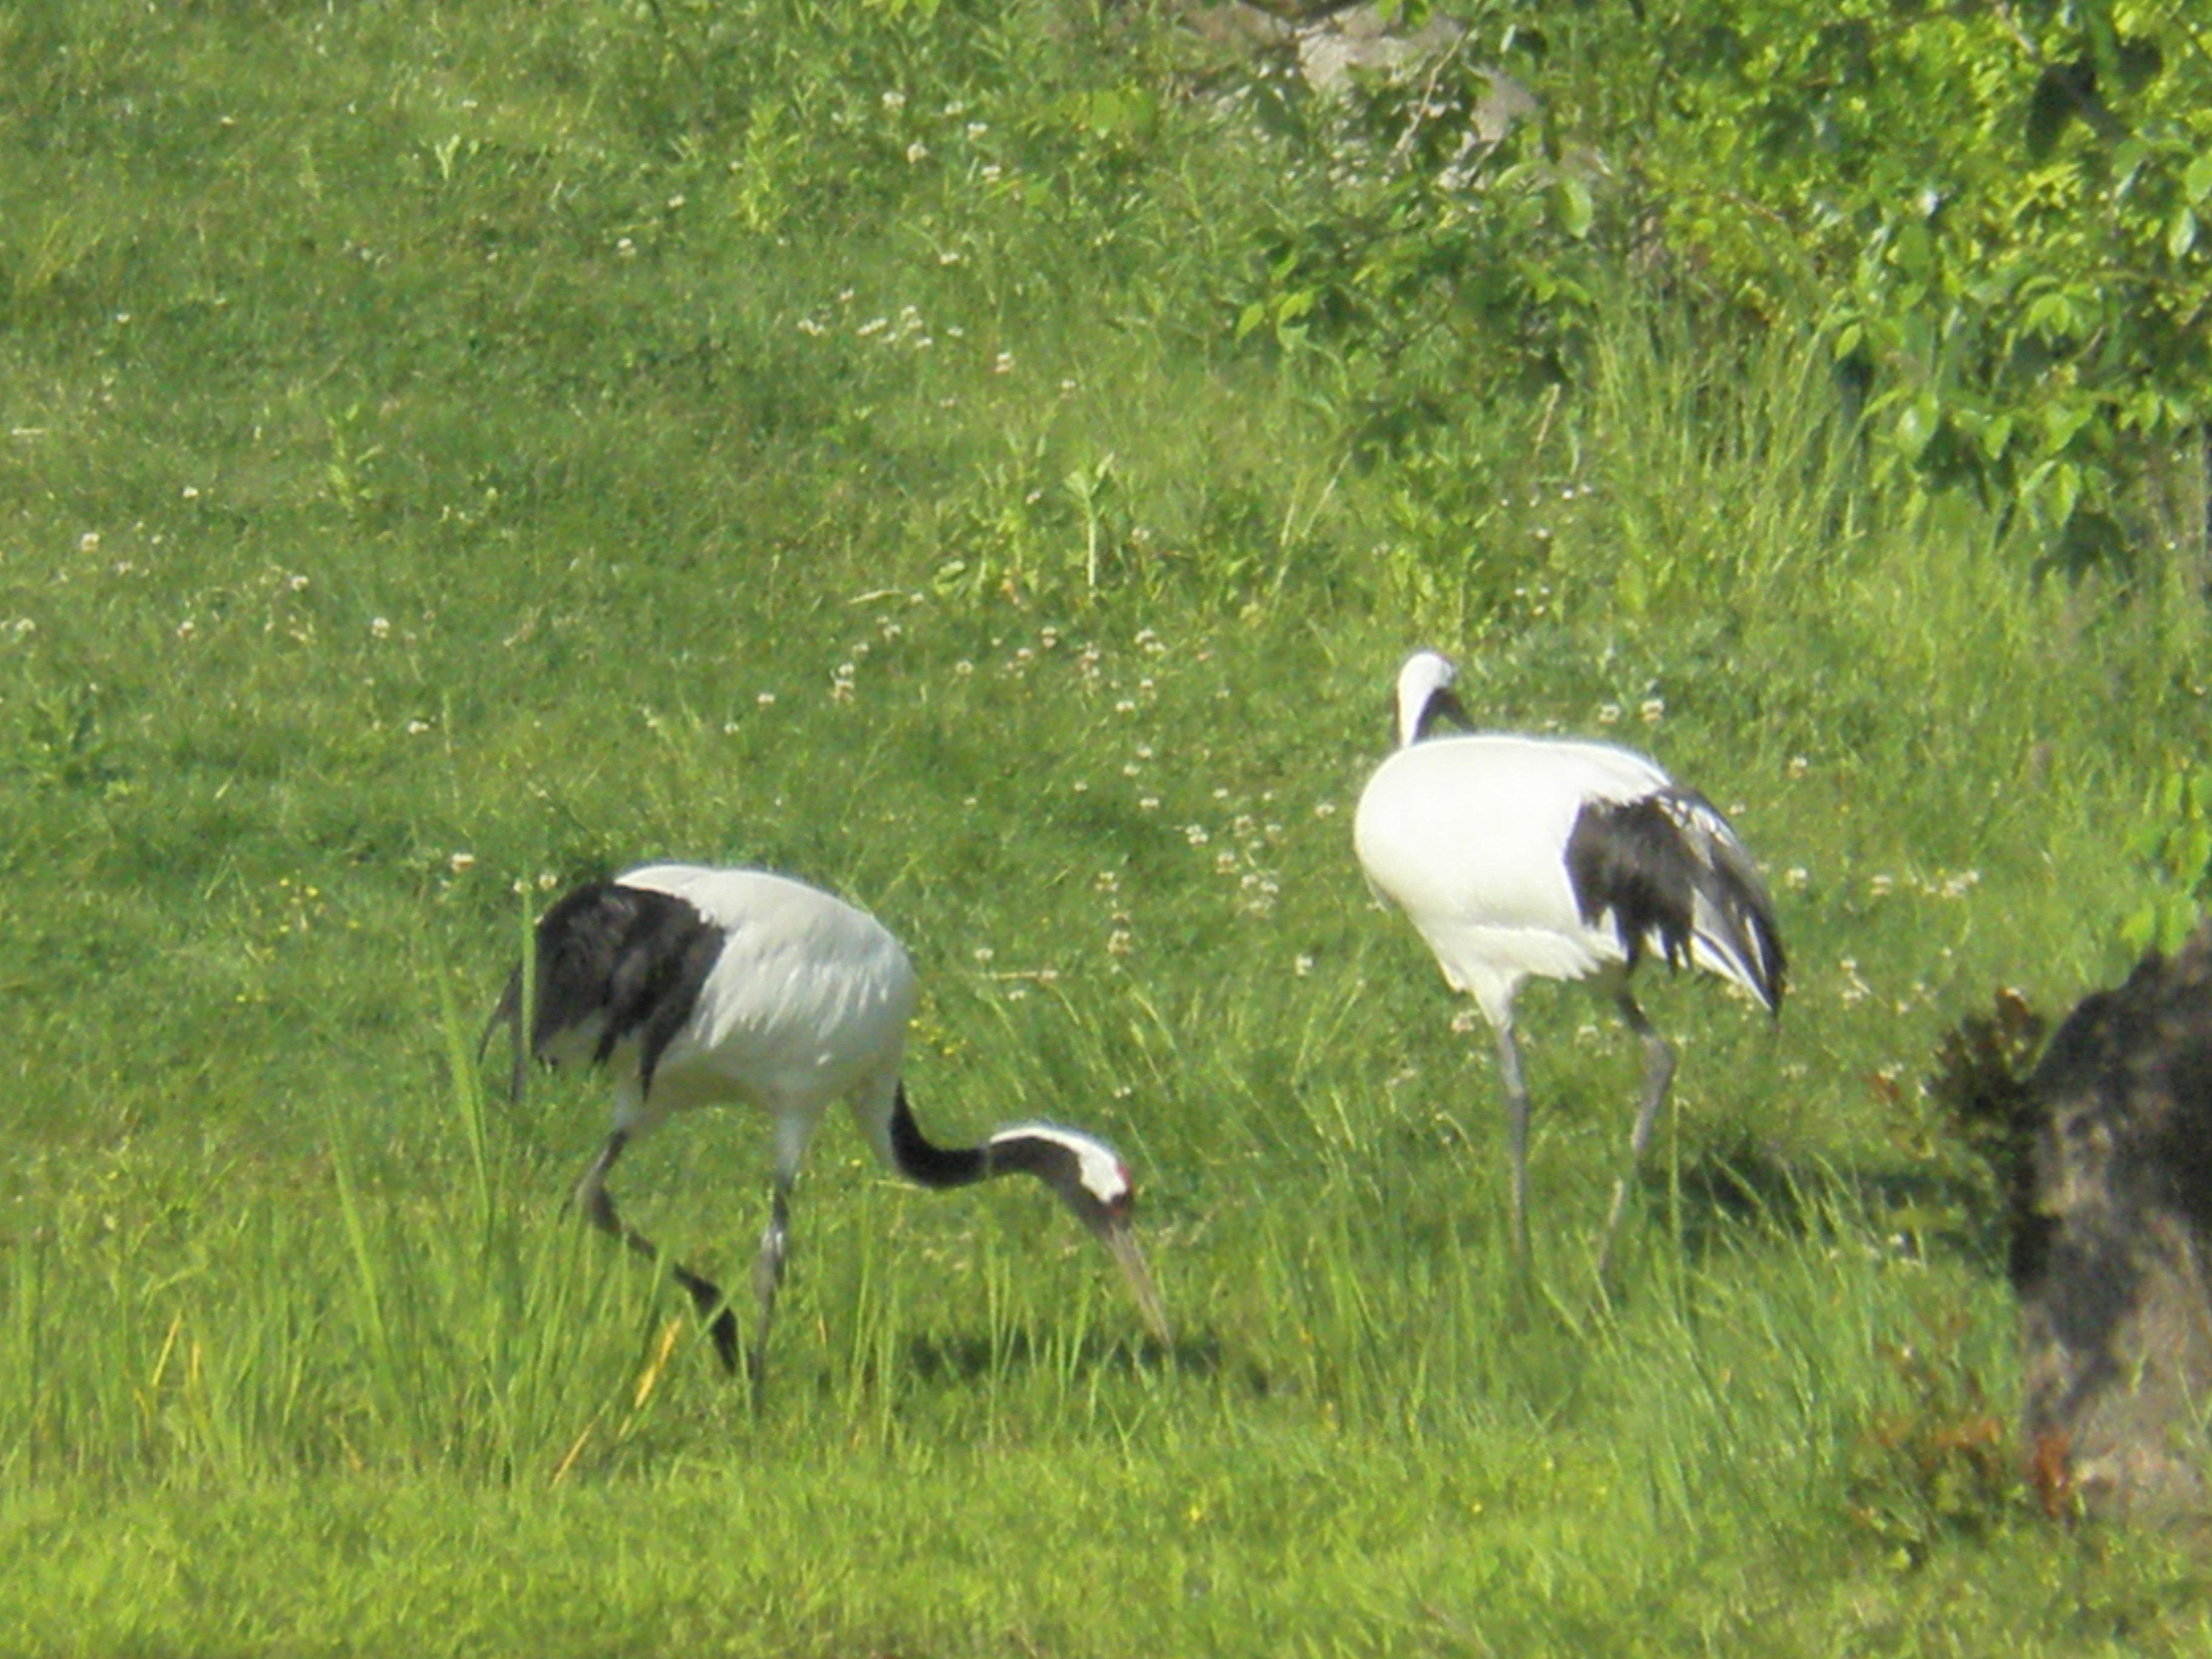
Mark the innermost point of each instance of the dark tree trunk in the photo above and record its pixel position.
(2112, 1245)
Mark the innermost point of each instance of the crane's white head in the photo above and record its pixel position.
(1425, 694)
(1092, 1180)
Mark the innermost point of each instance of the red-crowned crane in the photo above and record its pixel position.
(701, 986)
(1519, 856)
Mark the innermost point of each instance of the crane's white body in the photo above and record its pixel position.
(1464, 835)
(807, 1004)
(1467, 835)
(1517, 857)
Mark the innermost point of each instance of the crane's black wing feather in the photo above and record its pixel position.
(1670, 871)
(620, 964)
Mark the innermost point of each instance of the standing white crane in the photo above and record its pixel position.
(702, 986)
(1519, 856)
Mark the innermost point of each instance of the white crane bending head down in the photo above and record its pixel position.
(1519, 856)
(700, 986)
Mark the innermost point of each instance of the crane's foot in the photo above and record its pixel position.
(721, 1323)
(723, 1329)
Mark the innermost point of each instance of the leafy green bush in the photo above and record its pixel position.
(1996, 212)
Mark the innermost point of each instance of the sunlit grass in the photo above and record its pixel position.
(538, 441)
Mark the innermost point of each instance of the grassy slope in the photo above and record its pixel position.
(450, 454)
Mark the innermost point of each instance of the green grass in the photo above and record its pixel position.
(445, 456)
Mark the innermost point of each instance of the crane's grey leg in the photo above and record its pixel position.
(1658, 1073)
(599, 1205)
(768, 1273)
(599, 1208)
(1516, 1130)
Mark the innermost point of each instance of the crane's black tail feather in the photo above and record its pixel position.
(1673, 876)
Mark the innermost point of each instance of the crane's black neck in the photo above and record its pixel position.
(1443, 706)
(923, 1161)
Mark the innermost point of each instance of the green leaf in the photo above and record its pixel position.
(1917, 426)
(1913, 250)
(2061, 422)
(1574, 209)
(2198, 181)
(2183, 236)
(2062, 489)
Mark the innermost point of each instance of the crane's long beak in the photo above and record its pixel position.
(1119, 1238)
